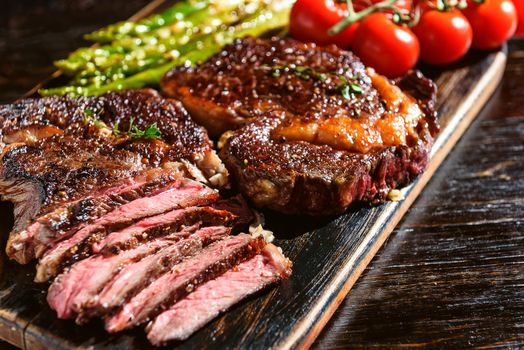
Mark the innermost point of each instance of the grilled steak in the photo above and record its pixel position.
(182, 279)
(85, 279)
(86, 291)
(216, 296)
(322, 133)
(180, 193)
(131, 279)
(64, 162)
(159, 225)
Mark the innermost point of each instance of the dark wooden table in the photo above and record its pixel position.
(452, 273)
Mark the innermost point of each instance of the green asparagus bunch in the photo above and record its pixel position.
(153, 50)
(189, 32)
(270, 17)
(126, 29)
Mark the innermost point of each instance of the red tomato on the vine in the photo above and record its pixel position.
(519, 6)
(311, 20)
(444, 36)
(493, 22)
(389, 48)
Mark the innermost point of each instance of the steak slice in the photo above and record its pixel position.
(180, 193)
(159, 225)
(77, 291)
(182, 279)
(56, 152)
(216, 296)
(87, 277)
(67, 219)
(132, 278)
(323, 131)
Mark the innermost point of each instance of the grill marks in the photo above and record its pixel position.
(61, 223)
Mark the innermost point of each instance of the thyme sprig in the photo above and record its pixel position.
(151, 132)
(90, 117)
(348, 87)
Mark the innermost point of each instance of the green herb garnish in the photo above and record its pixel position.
(152, 132)
(348, 88)
(90, 117)
(115, 129)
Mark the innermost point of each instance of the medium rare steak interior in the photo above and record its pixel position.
(316, 131)
(116, 196)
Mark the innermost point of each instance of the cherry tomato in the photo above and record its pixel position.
(389, 48)
(519, 5)
(445, 36)
(493, 22)
(311, 19)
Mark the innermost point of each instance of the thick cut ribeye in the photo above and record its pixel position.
(318, 130)
(65, 162)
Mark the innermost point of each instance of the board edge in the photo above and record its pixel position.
(305, 333)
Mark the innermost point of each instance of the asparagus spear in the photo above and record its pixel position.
(130, 57)
(259, 23)
(122, 29)
(78, 59)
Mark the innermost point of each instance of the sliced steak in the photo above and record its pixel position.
(70, 290)
(62, 222)
(58, 151)
(216, 296)
(182, 279)
(131, 279)
(323, 133)
(159, 225)
(178, 194)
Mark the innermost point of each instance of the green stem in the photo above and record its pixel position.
(357, 16)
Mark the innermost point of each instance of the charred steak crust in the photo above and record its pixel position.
(318, 132)
(81, 244)
(297, 177)
(56, 153)
(144, 107)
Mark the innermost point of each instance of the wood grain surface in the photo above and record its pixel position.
(451, 266)
(451, 275)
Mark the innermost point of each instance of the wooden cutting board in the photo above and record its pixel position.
(329, 254)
